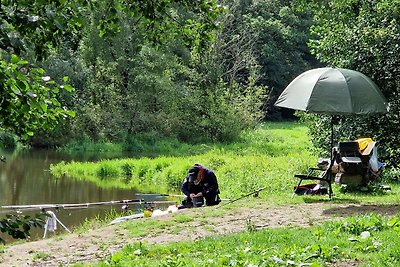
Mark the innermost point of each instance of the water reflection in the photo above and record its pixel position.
(25, 180)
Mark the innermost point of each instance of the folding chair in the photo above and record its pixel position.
(325, 176)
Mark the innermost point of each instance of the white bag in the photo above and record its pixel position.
(373, 161)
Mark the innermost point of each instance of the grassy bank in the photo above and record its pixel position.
(365, 240)
(267, 156)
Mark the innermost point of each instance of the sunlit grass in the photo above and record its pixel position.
(366, 239)
(98, 221)
(268, 157)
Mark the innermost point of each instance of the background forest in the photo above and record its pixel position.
(190, 71)
(127, 85)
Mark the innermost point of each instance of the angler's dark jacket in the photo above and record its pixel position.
(208, 187)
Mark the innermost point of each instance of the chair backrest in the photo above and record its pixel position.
(349, 149)
(349, 152)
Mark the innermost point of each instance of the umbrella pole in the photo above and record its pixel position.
(331, 135)
(329, 174)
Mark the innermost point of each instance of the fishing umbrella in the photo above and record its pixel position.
(333, 91)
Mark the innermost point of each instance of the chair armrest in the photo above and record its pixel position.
(308, 177)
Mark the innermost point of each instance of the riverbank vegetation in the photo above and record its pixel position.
(127, 86)
(136, 73)
(267, 156)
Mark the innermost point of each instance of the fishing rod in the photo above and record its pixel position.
(20, 208)
(171, 195)
(254, 193)
(77, 205)
(159, 195)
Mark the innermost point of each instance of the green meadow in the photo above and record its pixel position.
(365, 240)
(267, 156)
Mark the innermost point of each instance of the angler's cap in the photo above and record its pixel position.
(192, 173)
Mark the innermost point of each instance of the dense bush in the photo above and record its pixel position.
(19, 226)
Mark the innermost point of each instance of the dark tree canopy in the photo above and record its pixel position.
(31, 30)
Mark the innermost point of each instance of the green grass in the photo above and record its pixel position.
(366, 239)
(99, 221)
(41, 256)
(267, 156)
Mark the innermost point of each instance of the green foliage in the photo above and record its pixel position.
(125, 87)
(39, 26)
(34, 30)
(267, 156)
(29, 98)
(266, 41)
(18, 226)
(368, 222)
(364, 36)
(84, 144)
(128, 89)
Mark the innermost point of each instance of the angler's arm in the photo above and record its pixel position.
(185, 189)
(212, 187)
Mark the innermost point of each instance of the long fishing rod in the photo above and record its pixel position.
(20, 208)
(255, 193)
(159, 195)
(47, 206)
(171, 195)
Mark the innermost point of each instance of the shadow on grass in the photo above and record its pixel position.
(347, 196)
(350, 210)
(331, 201)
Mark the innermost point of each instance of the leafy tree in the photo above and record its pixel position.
(364, 36)
(28, 98)
(269, 39)
(31, 30)
(126, 86)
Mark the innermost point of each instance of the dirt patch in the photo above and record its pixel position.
(98, 244)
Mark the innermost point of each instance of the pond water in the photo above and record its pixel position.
(25, 179)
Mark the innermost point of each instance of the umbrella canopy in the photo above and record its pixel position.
(333, 91)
